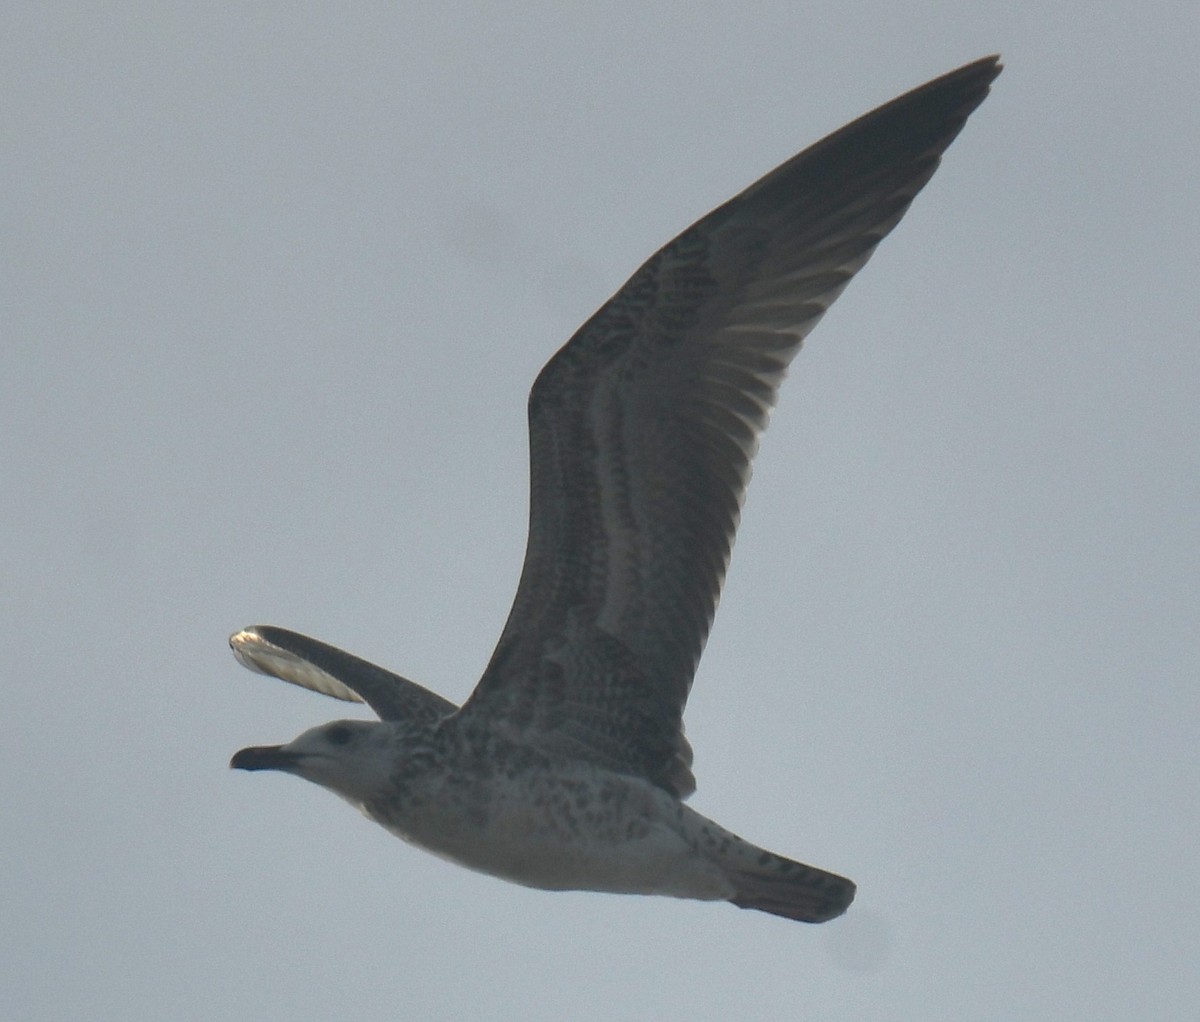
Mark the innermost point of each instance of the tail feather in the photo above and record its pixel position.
(790, 889)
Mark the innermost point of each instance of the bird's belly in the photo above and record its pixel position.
(591, 830)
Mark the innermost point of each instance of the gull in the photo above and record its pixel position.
(567, 768)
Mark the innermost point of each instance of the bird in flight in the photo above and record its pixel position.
(567, 768)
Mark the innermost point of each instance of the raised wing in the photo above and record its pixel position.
(643, 427)
(316, 665)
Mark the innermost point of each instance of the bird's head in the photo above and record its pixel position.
(350, 757)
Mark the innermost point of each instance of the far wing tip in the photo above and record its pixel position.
(254, 651)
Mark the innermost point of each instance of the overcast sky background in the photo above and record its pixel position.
(276, 279)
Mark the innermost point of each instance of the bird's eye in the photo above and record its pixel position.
(338, 735)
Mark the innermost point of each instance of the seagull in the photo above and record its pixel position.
(567, 768)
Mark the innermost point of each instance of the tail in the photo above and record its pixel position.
(771, 883)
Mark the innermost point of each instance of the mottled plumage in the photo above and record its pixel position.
(567, 766)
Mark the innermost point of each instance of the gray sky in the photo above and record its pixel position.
(276, 280)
